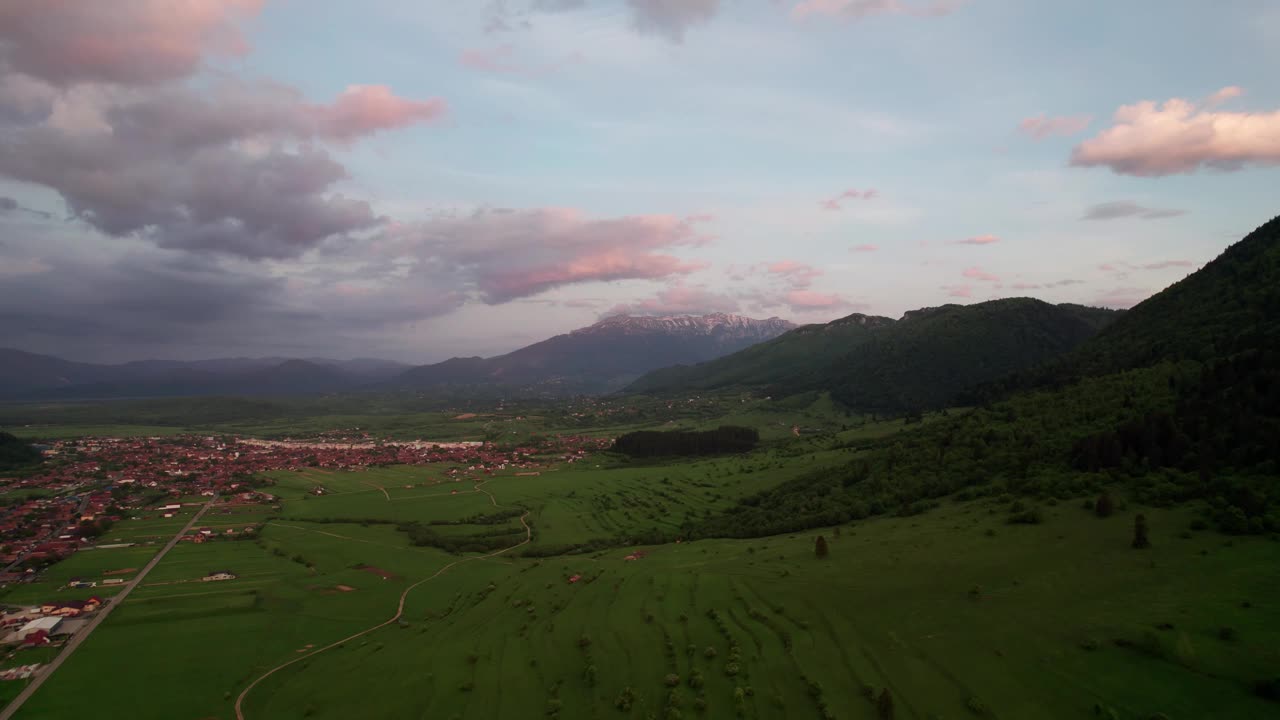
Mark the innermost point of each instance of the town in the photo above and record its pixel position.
(89, 485)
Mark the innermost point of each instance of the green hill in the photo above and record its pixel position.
(1179, 401)
(782, 359)
(925, 360)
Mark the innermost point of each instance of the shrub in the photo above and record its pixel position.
(975, 705)
(710, 652)
(1140, 539)
(1104, 506)
(671, 680)
(884, 705)
(1227, 634)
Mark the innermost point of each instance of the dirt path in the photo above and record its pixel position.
(528, 536)
(377, 487)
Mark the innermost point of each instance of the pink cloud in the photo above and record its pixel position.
(1166, 264)
(810, 301)
(977, 240)
(1151, 139)
(798, 275)
(1227, 93)
(496, 60)
(502, 60)
(126, 42)
(1041, 127)
(678, 300)
(834, 203)
(1122, 297)
(864, 248)
(959, 291)
(977, 273)
(1025, 286)
(365, 109)
(861, 9)
(510, 254)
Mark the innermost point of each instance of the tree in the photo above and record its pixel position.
(1140, 540)
(820, 547)
(1104, 506)
(884, 705)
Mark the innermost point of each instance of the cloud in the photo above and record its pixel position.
(501, 60)
(977, 240)
(678, 300)
(802, 301)
(864, 248)
(861, 9)
(958, 291)
(496, 60)
(8, 204)
(1041, 127)
(977, 273)
(834, 203)
(1121, 297)
(671, 18)
(23, 266)
(125, 42)
(234, 169)
(1124, 209)
(509, 254)
(1123, 269)
(797, 275)
(1227, 93)
(1151, 139)
(367, 109)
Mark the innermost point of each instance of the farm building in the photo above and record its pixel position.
(219, 575)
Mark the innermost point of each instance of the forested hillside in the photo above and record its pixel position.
(926, 360)
(1195, 419)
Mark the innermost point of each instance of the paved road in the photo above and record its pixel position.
(83, 634)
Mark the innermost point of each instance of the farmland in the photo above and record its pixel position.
(954, 611)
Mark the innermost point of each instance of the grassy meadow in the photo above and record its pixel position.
(954, 612)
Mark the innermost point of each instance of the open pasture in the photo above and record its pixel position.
(1031, 621)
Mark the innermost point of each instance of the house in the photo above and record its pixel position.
(219, 575)
(113, 581)
(39, 637)
(169, 508)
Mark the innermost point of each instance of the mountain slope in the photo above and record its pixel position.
(603, 356)
(1194, 419)
(780, 360)
(923, 360)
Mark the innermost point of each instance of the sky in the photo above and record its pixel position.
(423, 179)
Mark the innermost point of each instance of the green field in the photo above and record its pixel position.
(955, 611)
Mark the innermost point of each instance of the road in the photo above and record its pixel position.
(76, 640)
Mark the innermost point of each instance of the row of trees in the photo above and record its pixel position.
(653, 443)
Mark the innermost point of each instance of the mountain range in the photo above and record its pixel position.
(602, 357)
(599, 358)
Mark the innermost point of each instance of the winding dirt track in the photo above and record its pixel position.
(528, 536)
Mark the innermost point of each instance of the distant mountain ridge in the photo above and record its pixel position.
(601, 357)
(926, 359)
(25, 375)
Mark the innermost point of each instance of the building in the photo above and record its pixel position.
(219, 575)
(45, 625)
